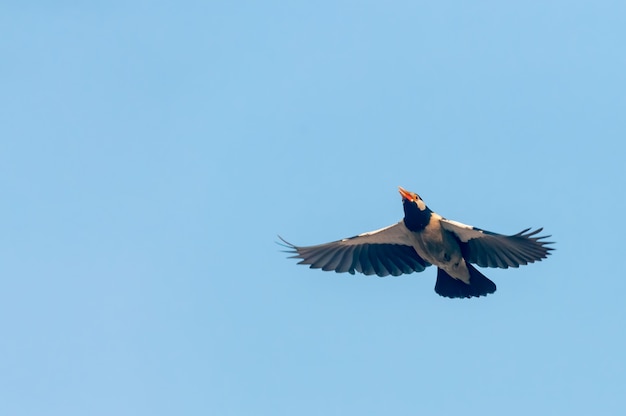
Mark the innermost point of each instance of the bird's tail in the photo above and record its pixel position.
(450, 287)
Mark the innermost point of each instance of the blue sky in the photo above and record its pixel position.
(151, 152)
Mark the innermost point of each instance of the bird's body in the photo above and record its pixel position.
(439, 247)
(425, 238)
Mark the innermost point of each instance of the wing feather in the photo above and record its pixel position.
(489, 249)
(346, 260)
(365, 260)
(383, 252)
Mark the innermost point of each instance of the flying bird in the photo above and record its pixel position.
(424, 238)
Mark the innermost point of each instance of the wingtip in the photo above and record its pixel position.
(284, 242)
(529, 235)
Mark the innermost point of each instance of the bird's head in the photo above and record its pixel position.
(416, 213)
(411, 198)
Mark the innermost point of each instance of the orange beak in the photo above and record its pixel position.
(406, 194)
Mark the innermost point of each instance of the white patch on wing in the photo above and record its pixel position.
(463, 231)
(375, 231)
(394, 234)
(460, 224)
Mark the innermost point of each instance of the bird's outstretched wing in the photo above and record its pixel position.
(488, 249)
(381, 252)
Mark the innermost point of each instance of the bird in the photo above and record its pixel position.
(424, 238)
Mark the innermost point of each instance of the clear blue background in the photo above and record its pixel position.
(150, 152)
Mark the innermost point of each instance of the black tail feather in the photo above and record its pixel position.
(453, 288)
